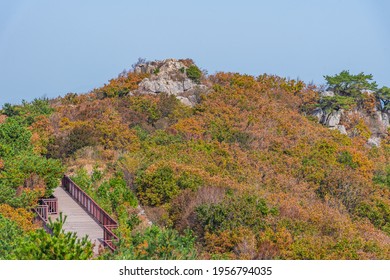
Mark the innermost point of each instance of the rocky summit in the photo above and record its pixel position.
(375, 117)
(170, 76)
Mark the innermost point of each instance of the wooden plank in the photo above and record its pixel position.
(78, 220)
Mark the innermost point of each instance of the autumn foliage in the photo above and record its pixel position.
(244, 174)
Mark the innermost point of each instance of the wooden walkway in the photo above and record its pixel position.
(78, 220)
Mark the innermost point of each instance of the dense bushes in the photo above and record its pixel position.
(158, 187)
(60, 245)
(244, 174)
(14, 137)
(234, 212)
(25, 175)
(9, 233)
(224, 227)
(121, 86)
(159, 244)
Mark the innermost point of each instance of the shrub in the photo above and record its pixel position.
(82, 179)
(120, 86)
(378, 212)
(14, 137)
(120, 193)
(159, 244)
(189, 180)
(346, 158)
(194, 73)
(234, 212)
(158, 187)
(9, 235)
(61, 245)
(22, 167)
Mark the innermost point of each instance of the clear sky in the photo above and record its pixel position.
(49, 48)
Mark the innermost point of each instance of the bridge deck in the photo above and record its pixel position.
(78, 220)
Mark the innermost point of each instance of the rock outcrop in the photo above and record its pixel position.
(170, 76)
(330, 119)
(374, 141)
(376, 120)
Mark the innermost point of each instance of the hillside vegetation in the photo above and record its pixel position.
(245, 173)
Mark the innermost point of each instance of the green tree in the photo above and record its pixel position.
(10, 110)
(337, 102)
(21, 167)
(28, 111)
(9, 235)
(347, 84)
(60, 245)
(14, 137)
(194, 73)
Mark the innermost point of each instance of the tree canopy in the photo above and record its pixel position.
(348, 84)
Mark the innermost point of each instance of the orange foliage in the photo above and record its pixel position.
(22, 217)
(189, 128)
(121, 86)
(42, 132)
(2, 118)
(237, 244)
(248, 133)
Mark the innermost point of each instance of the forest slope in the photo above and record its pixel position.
(245, 172)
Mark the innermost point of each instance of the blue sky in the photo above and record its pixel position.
(49, 48)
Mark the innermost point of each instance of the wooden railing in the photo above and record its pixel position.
(43, 212)
(101, 216)
(52, 204)
(47, 207)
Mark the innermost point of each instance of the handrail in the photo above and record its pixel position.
(52, 204)
(42, 211)
(47, 206)
(101, 216)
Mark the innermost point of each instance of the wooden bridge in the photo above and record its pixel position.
(84, 215)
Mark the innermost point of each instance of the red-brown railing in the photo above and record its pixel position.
(94, 209)
(52, 204)
(47, 206)
(43, 212)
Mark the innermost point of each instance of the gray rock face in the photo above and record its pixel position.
(169, 76)
(146, 68)
(332, 119)
(374, 141)
(377, 120)
(186, 101)
(161, 85)
(342, 129)
(385, 119)
(327, 94)
(318, 113)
